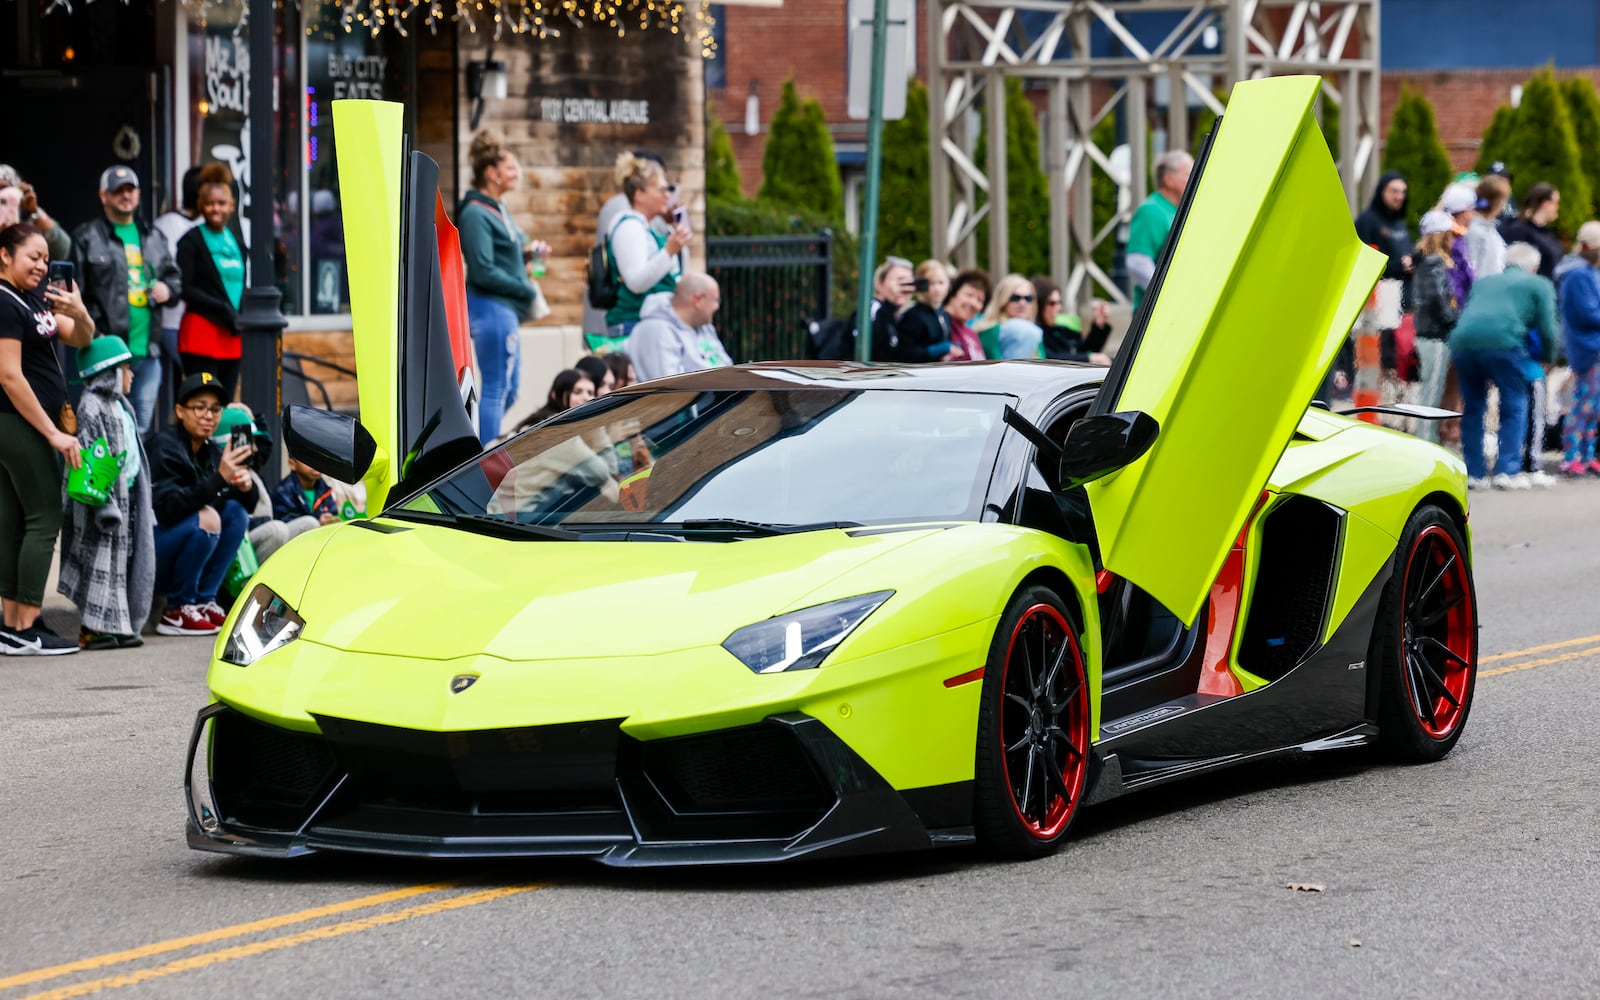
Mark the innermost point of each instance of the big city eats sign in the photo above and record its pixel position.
(593, 111)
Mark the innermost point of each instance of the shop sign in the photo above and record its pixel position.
(357, 76)
(594, 111)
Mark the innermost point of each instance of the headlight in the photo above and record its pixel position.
(801, 639)
(264, 624)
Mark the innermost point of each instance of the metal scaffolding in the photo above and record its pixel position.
(974, 45)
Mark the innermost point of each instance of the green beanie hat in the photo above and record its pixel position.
(102, 353)
(233, 415)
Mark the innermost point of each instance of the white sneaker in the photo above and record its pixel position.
(1541, 478)
(1477, 483)
(1520, 481)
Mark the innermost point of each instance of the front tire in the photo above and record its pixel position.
(1033, 730)
(1426, 643)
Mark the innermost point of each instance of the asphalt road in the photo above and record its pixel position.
(1474, 877)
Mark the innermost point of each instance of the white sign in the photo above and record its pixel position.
(899, 53)
(593, 111)
(357, 76)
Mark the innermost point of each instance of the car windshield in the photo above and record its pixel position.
(763, 458)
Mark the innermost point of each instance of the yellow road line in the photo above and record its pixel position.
(278, 943)
(1537, 649)
(1513, 668)
(220, 934)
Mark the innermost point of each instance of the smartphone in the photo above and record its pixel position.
(680, 216)
(920, 285)
(60, 274)
(239, 437)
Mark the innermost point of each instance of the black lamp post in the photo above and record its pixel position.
(261, 319)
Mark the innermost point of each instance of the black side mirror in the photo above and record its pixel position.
(334, 444)
(1098, 446)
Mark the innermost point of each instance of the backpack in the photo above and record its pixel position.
(831, 339)
(602, 287)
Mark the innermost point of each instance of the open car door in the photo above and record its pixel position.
(1259, 283)
(407, 303)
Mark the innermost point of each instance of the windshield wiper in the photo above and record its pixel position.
(753, 527)
(484, 524)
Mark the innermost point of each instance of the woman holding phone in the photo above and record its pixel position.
(643, 261)
(213, 267)
(36, 428)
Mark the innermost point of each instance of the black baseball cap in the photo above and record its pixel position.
(200, 382)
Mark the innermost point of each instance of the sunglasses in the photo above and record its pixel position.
(1022, 298)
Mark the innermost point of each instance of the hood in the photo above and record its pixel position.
(1566, 265)
(542, 600)
(1376, 205)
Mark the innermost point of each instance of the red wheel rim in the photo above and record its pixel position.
(1044, 721)
(1437, 631)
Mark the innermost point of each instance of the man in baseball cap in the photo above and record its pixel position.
(118, 177)
(203, 494)
(125, 269)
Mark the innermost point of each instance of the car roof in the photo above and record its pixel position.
(1020, 378)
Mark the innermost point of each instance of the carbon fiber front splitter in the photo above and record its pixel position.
(644, 827)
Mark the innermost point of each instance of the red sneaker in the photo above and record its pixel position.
(213, 611)
(189, 619)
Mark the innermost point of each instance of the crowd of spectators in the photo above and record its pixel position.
(1487, 298)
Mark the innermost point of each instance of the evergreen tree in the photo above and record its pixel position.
(1542, 147)
(722, 172)
(1583, 105)
(1495, 145)
(1413, 148)
(904, 201)
(1103, 191)
(798, 165)
(1330, 124)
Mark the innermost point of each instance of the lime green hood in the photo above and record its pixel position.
(538, 600)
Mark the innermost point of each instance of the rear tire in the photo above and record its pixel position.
(1426, 641)
(1033, 730)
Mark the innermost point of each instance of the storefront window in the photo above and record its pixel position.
(336, 64)
(339, 64)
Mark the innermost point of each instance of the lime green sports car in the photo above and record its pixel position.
(795, 610)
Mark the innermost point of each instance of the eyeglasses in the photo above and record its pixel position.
(202, 410)
(1022, 298)
(1052, 301)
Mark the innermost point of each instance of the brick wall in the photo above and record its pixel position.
(1464, 101)
(803, 39)
(567, 167)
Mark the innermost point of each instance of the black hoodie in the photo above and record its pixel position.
(1387, 231)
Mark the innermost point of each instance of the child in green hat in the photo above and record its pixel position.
(108, 559)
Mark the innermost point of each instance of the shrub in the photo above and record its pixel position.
(1413, 148)
(798, 165)
(722, 171)
(904, 202)
(1542, 147)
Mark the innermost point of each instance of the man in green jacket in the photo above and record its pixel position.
(1506, 334)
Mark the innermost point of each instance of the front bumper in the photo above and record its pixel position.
(784, 788)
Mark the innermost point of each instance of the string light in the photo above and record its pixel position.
(539, 18)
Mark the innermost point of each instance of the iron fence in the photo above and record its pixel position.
(771, 285)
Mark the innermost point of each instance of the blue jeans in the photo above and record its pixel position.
(499, 351)
(146, 388)
(1475, 370)
(190, 562)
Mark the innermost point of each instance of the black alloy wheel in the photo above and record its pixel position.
(1032, 761)
(1426, 642)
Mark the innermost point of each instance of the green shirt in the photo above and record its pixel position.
(138, 291)
(230, 262)
(1147, 231)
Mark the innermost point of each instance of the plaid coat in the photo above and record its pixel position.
(108, 553)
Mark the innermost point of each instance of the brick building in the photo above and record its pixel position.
(1465, 55)
(1469, 56)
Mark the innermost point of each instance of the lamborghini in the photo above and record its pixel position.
(800, 610)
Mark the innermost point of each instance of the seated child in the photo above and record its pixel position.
(305, 494)
(108, 562)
